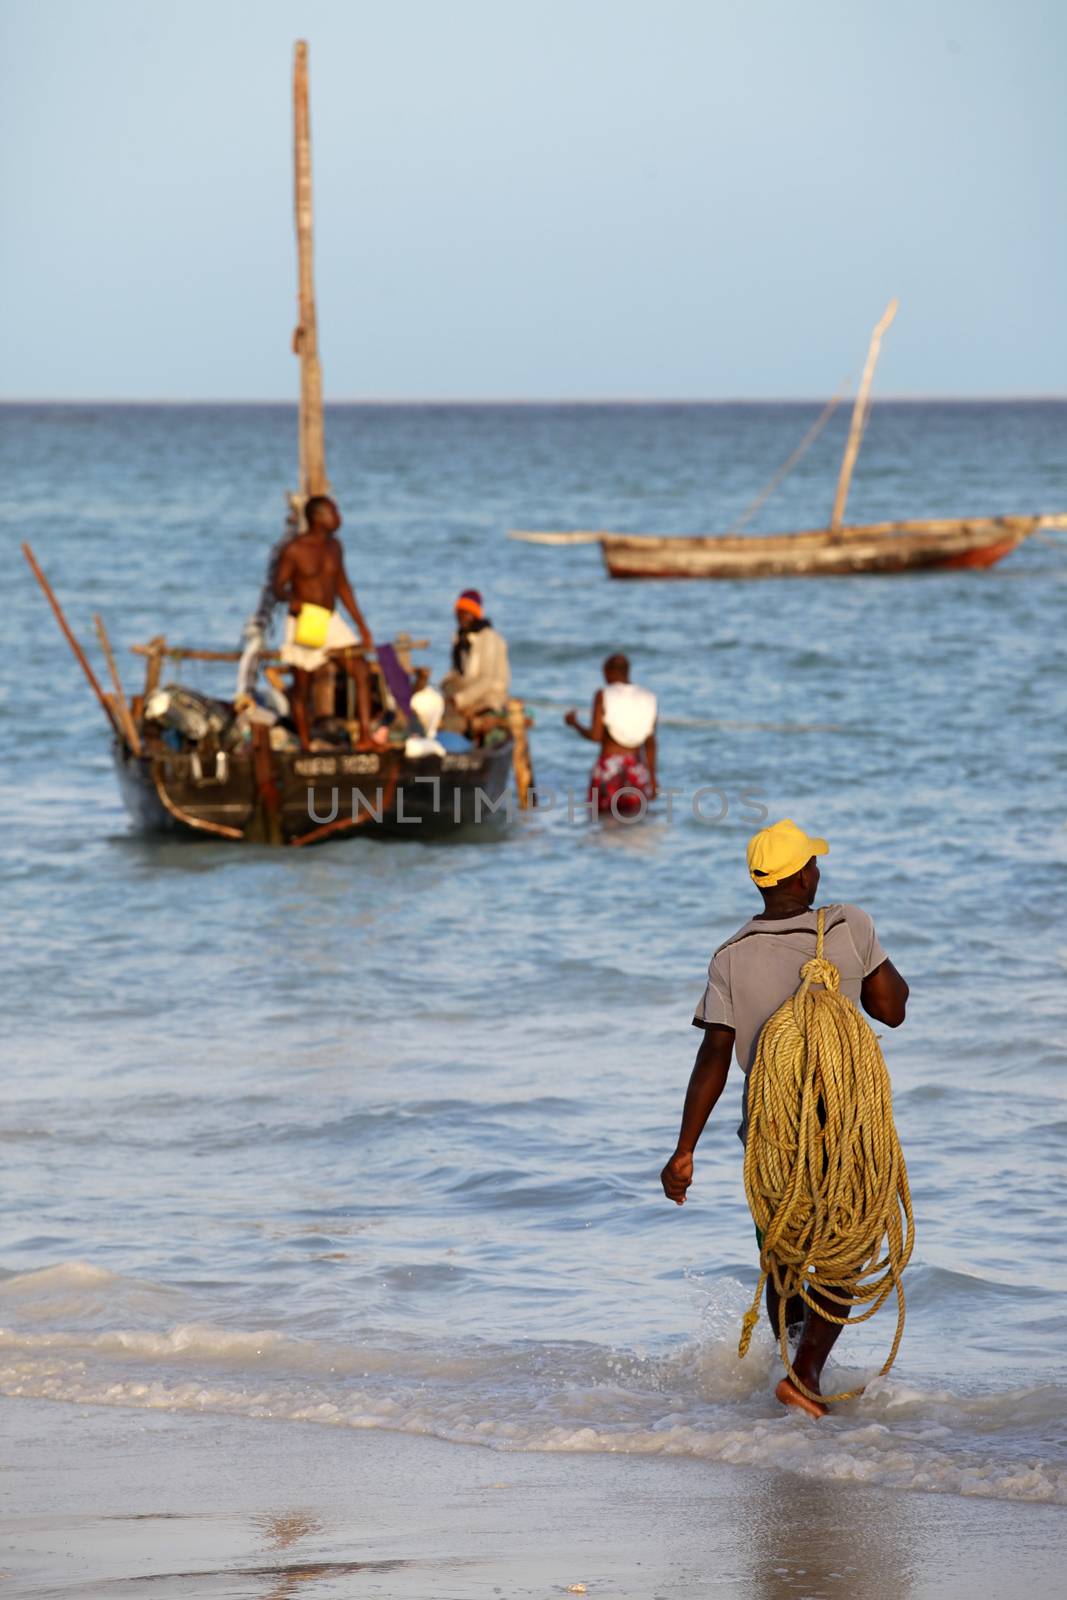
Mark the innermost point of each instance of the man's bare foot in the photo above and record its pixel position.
(790, 1395)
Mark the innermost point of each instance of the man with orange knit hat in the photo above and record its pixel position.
(748, 978)
(480, 675)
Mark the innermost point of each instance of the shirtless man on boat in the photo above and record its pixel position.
(311, 576)
(623, 724)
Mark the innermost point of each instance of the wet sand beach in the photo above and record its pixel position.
(211, 1507)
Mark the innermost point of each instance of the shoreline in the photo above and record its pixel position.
(109, 1501)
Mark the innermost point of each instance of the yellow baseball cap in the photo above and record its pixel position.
(780, 850)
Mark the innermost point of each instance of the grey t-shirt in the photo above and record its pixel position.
(752, 973)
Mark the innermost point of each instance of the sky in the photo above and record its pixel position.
(552, 199)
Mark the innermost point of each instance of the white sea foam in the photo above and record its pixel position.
(698, 1401)
(862, 1452)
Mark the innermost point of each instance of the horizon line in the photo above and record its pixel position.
(1021, 397)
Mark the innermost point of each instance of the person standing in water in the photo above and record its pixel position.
(311, 576)
(623, 724)
(748, 978)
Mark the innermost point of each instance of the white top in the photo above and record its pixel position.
(486, 674)
(629, 713)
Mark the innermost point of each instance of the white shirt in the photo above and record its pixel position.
(629, 713)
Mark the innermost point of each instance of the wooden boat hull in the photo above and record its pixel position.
(879, 547)
(318, 796)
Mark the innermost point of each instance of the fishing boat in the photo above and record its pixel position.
(871, 547)
(232, 768)
(254, 793)
(837, 550)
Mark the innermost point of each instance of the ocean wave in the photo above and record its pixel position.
(694, 1400)
(76, 1291)
(65, 1274)
(930, 1285)
(855, 1446)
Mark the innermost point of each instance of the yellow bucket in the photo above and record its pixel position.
(312, 626)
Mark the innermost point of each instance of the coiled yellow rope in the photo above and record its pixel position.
(824, 1171)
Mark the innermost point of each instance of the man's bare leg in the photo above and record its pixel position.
(794, 1311)
(298, 704)
(356, 667)
(816, 1341)
(322, 693)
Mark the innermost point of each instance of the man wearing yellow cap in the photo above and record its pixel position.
(748, 978)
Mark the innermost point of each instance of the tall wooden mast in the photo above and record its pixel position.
(313, 479)
(859, 418)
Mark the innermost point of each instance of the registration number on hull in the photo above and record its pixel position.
(356, 766)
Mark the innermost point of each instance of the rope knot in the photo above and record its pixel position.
(819, 970)
(748, 1325)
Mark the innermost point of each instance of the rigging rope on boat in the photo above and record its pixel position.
(729, 723)
(787, 466)
(824, 1172)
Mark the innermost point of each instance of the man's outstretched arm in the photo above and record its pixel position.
(347, 597)
(884, 995)
(706, 1084)
(595, 730)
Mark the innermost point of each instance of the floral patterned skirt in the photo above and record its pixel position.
(620, 785)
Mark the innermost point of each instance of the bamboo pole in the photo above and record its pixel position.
(859, 417)
(313, 479)
(133, 738)
(80, 656)
(155, 651)
(521, 763)
(576, 536)
(178, 653)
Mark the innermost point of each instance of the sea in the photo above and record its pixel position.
(367, 1136)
